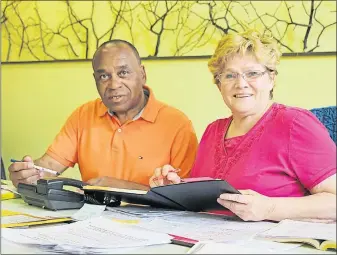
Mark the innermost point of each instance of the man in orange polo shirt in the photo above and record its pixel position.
(120, 139)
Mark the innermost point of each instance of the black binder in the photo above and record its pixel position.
(191, 196)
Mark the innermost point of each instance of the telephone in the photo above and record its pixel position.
(48, 193)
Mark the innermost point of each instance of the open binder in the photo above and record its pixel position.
(191, 196)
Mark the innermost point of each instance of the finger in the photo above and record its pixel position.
(18, 166)
(243, 199)
(27, 158)
(157, 172)
(154, 182)
(231, 205)
(166, 169)
(23, 174)
(173, 178)
(30, 180)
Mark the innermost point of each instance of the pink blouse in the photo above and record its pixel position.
(285, 154)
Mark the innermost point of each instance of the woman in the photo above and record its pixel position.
(281, 158)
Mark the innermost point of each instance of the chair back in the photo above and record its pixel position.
(327, 115)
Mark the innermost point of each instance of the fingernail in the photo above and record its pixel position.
(30, 165)
(41, 174)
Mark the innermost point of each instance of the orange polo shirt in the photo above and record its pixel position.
(97, 142)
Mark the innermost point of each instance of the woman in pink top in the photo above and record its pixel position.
(281, 158)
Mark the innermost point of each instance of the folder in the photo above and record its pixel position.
(191, 196)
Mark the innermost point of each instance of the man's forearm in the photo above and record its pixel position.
(121, 184)
(317, 206)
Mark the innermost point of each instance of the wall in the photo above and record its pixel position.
(37, 98)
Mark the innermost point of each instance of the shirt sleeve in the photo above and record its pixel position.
(65, 145)
(312, 152)
(184, 149)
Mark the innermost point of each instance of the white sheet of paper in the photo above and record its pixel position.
(249, 247)
(9, 188)
(203, 227)
(302, 229)
(144, 211)
(96, 233)
(18, 219)
(89, 211)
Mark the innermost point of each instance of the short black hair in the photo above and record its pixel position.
(119, 42)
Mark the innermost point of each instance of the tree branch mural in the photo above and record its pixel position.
(66, 30)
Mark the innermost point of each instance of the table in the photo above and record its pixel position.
(8, 247)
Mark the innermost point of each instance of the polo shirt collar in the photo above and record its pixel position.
(149, 112)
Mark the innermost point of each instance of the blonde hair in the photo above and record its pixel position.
(262, 46)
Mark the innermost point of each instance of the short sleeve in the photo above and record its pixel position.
(184, 149)
(65, 145)
(312, 152)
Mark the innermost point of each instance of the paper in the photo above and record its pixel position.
(95, 233)
(247, 247)
(10, 219)
(132, 191)
(203, 227)
(302, 229)
(144, 211)
(89, 211)
(8, 192)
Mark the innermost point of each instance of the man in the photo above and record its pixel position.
(120, 139)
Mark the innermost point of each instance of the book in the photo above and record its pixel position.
(322, 236)
(191, 196)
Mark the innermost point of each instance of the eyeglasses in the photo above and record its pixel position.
(230, 77)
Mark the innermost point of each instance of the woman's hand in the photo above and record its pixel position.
(249, 205)
(164, 175)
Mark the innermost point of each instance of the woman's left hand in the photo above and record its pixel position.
(249, 205)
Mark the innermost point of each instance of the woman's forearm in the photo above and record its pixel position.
(320, 206)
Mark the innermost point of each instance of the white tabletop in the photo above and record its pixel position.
(8, 247)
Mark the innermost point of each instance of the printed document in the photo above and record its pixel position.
(205, 227)
(95, 233)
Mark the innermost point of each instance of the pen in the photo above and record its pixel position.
(40, 168)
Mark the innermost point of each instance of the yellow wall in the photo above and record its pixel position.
(37, 98)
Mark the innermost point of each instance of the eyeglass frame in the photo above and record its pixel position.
(217, 77)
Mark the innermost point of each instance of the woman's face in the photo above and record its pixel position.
(248, 95)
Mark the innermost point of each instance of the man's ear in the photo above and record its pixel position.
(143, 72)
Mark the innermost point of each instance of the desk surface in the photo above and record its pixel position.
(8, 247)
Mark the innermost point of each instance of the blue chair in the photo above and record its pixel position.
(327, 115)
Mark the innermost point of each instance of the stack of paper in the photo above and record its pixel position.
(245, 247)
(204, 227)
(144, 211)
(98, 235)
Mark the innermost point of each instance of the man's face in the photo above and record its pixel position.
(119, 78)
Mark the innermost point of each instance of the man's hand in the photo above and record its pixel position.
(164, 176)
(24, 172)
(249, 205)
(116, 183)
